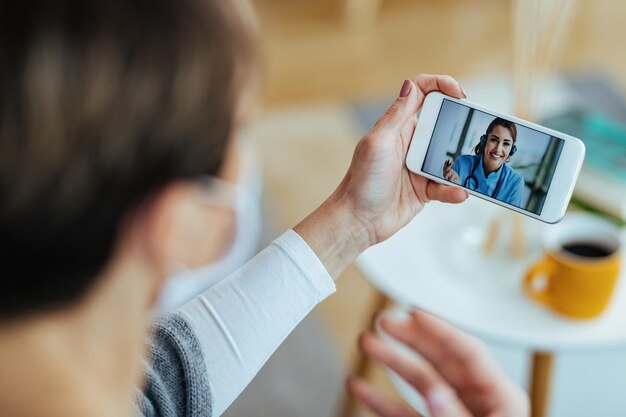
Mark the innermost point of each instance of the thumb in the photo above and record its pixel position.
(405, 107)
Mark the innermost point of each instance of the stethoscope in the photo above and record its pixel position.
(471, 181)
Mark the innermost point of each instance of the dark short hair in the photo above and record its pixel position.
(103, 103)
(498, 121)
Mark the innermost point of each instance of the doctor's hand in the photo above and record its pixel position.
(456, 375)
(378, 194)
(449, 173)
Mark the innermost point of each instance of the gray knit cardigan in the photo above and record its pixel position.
(176, 379)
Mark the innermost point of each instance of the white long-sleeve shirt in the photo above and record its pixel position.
(241, 321)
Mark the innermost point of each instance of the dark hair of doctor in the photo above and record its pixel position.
(479, 149)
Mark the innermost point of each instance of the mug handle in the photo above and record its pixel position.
(544, 267)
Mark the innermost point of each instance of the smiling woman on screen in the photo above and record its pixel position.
(487, 171)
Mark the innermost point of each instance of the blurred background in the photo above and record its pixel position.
(331, 67)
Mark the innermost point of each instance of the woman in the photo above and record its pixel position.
(487, 171)
(116, 127)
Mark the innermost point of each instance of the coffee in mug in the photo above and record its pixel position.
(581, 265)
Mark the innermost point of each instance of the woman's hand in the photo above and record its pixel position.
(457, 377)
(378, 187)
(449, 173)
(378, 195)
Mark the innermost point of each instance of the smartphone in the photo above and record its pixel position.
(511, 162)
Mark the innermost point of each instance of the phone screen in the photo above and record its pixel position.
(507, 161)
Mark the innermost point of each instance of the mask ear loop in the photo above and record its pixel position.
(217, 192)
(186, 284)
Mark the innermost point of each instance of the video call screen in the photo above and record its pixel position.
(493, 156)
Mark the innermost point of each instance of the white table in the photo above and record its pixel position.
(437, 263)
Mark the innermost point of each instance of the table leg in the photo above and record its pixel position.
(363, 366)
(539, 389)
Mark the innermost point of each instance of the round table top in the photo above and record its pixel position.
(438, 263)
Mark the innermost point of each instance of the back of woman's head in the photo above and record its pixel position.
(103, 102)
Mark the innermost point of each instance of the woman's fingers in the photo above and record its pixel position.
(445, 193)
(411, 98)
(427, 83)
(418, 374)
(460, 358)
(422, 376)
(467, 352)
(406, 134)
(405, 106)
(376, 401)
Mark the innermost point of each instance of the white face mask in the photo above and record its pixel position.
(245, 200)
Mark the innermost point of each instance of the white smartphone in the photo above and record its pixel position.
(500, 158)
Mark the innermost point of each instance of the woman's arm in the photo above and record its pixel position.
(241, 321)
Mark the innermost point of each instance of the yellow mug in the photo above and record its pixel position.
(580, 267)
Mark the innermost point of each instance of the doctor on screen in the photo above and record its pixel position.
(487, 171)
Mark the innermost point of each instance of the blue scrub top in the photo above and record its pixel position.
(511, 186)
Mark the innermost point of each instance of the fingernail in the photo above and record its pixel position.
(462, 90)
(406, 87)
(438, 400)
